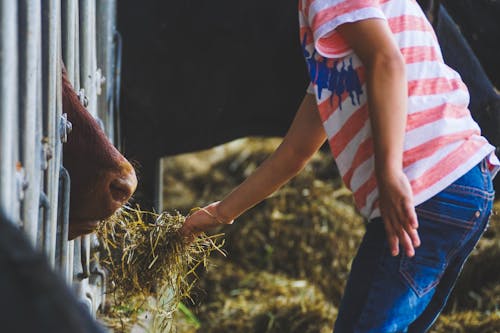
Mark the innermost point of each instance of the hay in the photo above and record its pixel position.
(478, 286)
(261, 302)
(151, 267)
(310, 236)
(468, 322)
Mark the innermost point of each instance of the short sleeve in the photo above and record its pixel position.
(324, 16)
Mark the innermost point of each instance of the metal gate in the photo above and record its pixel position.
(35, 35)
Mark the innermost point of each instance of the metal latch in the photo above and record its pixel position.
(65, 127)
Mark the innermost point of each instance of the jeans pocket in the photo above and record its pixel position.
(446, 222)
(458, 205)
(421, 274)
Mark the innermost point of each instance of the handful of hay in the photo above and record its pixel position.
(147, 257)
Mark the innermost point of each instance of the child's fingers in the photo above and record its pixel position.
(415, 239)
(412, 215)
(407, 243)
(405, 224)
(187, 233)
(392, 237)
(403, 239)
(402, 235)
(411, 224)
(412, 234)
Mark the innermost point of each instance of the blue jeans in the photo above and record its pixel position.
(401, 294)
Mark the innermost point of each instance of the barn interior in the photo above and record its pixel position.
(133, 67)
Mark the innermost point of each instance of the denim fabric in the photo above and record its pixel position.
(401, 294)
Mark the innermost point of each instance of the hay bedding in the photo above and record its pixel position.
(258, 301)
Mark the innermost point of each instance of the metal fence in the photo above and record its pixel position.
(35, 35)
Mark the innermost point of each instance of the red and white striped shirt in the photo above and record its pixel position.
(442, 141)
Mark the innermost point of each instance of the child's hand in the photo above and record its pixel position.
(202, 220)
(398, 213)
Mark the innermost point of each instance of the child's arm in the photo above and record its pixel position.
(304, 137)
(372, 41)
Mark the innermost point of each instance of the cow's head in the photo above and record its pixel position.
(102, 180)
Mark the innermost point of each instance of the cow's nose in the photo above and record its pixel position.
(122, 188)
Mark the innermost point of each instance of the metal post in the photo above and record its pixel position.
(76, 82)
(97, 277)
(8, 107)
(69, 21)
(88, 53)
(44, 221)
(115, 107)
(80, 285)
(63, 246)
(71, 56)
(106, 27)
(51, 61)
(69, 10)
(159, 185)
(61, 131)
(30, 60)
(82, 269)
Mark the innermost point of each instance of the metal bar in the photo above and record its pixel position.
(63, 223)
(80, 283)
(77, 265)
(117, 86)
(8, 107)
(71, 260)
(77, 69)
(95, 80)
(43, 148)
(88, 53)
(43, 224)
(106, 26)
(69, 26)
(70, 51)
(85, 256)
(159, 185)
(30, 57)
(82, 64)
(61, 127)
(51, 109)
(98, 278)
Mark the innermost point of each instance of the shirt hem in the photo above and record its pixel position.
(459, 172)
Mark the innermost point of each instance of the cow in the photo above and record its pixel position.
(198, 74)
(102, 180)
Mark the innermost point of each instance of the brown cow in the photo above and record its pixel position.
(102, 180)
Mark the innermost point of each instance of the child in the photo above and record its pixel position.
(397, 122)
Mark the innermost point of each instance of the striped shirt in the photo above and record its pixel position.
(442, 141)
